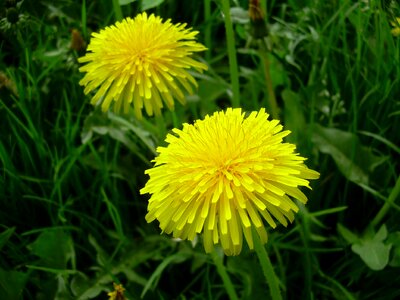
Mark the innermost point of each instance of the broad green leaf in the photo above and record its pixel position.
(373, 251)
(147, 4)
(375, 254)
(54, 247)
(12, 284)
(356, 162)
(5, 235)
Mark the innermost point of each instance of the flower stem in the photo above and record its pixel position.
(268, 81)
(388, 204)
(267, 267)
(224, 276)
(230, 39)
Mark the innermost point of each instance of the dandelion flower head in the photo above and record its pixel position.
(118, 293)
(224, 175)
(396, 27)
(141, 62)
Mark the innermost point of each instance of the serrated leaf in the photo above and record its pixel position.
(355, 161)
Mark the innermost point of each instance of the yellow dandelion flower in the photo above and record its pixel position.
(141, 62)
(117, 293)
(223, 175)
(396, 27)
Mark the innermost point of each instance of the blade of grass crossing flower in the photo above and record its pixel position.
(266, 265)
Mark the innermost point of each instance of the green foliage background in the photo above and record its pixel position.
(71, 217)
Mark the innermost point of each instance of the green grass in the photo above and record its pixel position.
(71, 217)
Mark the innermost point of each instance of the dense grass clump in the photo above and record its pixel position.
(72, 219)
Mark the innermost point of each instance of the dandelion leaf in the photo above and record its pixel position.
(372, 249)
(355, 161)
(54, 248)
